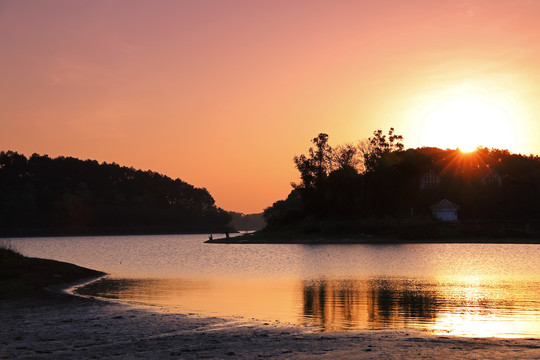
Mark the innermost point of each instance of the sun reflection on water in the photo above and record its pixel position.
(465, 307)
(459, 289)
(487, 308)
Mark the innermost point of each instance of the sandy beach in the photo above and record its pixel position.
(62, 326)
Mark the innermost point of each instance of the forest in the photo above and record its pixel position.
(375, 187)
(66, 196)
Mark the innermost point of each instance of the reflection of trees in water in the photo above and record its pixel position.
(347, 304)
(395, 302)
(330, 303)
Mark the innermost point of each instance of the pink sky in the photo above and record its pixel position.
(223, 94)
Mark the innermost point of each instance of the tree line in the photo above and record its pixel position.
(65, 195)
(378, 179)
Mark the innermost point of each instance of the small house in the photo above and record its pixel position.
(445, 210)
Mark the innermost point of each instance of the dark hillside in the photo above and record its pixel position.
(44, 196)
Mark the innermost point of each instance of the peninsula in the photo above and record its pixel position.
(378, 193)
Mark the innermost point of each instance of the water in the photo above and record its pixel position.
(458, 289)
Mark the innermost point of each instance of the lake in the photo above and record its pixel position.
(455, 289)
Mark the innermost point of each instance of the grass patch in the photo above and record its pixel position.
(22, 276)
(8, 256)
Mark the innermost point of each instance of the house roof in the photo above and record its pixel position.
(444, 205)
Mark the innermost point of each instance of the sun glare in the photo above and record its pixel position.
(466, 122)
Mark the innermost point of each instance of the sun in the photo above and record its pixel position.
(467, 122)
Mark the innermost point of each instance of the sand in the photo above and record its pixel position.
(60, 326)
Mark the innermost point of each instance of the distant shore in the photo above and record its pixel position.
(93, 232)
(260, 239)
(391, 231)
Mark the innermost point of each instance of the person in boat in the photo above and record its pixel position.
(210, 237)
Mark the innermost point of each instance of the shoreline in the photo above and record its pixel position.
(56, 323)
(64, 326)
(245, 239)
(76, 234)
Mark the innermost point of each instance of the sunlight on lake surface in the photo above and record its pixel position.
(458, 289)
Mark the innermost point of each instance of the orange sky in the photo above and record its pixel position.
(223, 94)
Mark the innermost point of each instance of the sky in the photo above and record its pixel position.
(223, 94)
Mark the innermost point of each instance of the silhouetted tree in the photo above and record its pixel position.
(316, 165)
(348, 156)
(284, 212)
(379, 145)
